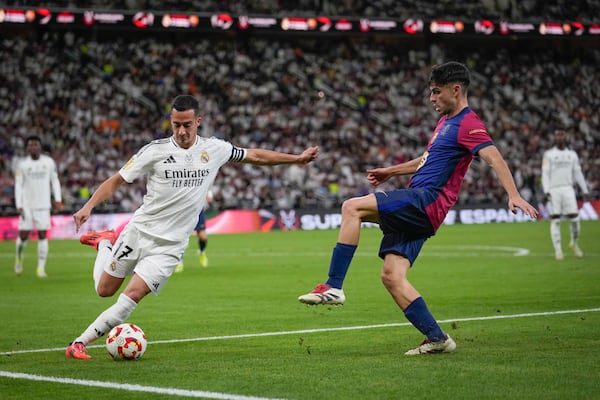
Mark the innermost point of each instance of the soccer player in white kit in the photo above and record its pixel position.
(36, 184)
(560, 171)
(180, 171)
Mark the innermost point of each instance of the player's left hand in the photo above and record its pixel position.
(527, 208)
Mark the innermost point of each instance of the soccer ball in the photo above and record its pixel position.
(126, 342)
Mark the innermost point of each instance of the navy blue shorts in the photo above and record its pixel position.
(201, 225)
(404, 222)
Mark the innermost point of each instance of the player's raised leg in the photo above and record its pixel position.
(354, 212)
(94, 238)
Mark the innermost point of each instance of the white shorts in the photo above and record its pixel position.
(152, 259)
(563, 201)
(35, 218)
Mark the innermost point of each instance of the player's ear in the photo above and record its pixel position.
(198, 121)
(457, 88)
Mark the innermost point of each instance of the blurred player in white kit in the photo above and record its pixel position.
(36, 184)
(560, 171)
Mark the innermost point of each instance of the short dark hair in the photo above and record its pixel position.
(186, 102)
(450, 72)
(32, 138)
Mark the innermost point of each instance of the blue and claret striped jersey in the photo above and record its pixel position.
(452, 147)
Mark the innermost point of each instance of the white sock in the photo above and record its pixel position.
(111, 317)
(42, 254)
(102, 258)
(575, 229)
(555, 234)
(20, 246)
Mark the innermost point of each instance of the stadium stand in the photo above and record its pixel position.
(95, 101)
(554, 9)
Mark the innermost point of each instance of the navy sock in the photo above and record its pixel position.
(418, 314)
(340, 262)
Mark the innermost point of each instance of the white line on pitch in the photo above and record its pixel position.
(316, 330)
(226, 396)
(132, 388)
(433, 251)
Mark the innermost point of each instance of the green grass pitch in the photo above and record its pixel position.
(526, 326)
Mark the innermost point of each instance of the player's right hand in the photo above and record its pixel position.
(377, 176)
(80, 217)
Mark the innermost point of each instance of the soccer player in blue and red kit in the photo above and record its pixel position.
(409, 216)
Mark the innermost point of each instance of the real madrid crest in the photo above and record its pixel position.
(204, 157)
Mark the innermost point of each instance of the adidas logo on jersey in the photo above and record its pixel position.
(170, 160)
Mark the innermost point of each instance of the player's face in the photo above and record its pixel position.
(34, 149)
(560, 138)
(185, 127)
(444, 98)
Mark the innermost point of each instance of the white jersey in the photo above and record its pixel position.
(561, 168)
(178, 181)
(36, 181)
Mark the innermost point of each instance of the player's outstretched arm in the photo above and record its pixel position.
(270, 157)
(377, 176)
(104, 192)
(493, 157)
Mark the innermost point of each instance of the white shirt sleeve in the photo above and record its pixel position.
(18, 186)
(546, 172)
(55, 183)
(578, 175)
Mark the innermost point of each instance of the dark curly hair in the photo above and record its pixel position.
(450, 72)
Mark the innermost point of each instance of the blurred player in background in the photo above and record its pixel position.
(560, 171)
(202, 236)
(179, 170)
(36, 185)
(409, 216)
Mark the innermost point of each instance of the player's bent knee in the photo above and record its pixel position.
(105, 292)
(350, 207)
(108, 287)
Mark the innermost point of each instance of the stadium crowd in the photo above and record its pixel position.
(365, 103)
